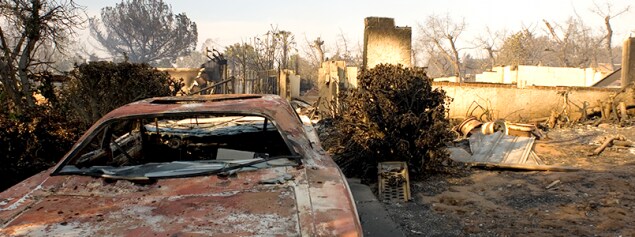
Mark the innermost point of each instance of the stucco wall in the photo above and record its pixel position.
(288, 84)
(516, 104)
(541, 76)
(351, 77)
(294, 85)
(628, 62)
(385, 43)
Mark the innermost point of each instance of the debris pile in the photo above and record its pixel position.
(500, 144)
(467, 127)
(617, 141)
(305, 109)
(613, 110)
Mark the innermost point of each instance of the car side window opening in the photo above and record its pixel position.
(138, 141)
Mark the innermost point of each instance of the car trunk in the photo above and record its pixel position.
(209, 205)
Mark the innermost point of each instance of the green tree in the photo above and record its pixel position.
(524, 48)
(145, 31)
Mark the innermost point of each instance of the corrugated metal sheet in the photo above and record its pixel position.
(502, 149)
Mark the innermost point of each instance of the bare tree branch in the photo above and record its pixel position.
(491, 43)
(608, 14)
(443, 32)
(32, 23)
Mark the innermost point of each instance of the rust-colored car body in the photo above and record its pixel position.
(313, 200)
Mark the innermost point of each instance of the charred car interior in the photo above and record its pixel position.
(180, 145)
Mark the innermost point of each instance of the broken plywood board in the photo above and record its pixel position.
(501, 149)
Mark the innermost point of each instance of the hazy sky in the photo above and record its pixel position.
(231, 21)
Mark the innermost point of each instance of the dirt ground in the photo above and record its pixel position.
(598, 200)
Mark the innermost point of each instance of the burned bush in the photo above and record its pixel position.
(37, 138)
(393, 115)
(96, 88)
(31, 142)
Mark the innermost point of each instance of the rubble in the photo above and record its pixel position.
(595, 197)
(467, 127)
(608, 142)
(500, 144)
(306, 109)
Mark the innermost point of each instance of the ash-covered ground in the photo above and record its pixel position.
(597, 200)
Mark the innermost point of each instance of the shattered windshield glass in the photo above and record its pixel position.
(180, 146)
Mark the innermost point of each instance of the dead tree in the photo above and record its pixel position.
(573, 43)
(30, 24)
(273, 49)
(490, 42)
(608, 14)
(318, 46)
(443, 33)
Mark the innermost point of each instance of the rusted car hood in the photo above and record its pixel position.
(273, 201)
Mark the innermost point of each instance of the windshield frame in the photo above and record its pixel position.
(96, 130)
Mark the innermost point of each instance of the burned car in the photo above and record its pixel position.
(222, 165)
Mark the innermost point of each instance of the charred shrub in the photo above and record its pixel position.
(31, 142)
(393, 115)
(37, 138)
(96, 88)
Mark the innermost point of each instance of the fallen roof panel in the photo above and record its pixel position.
(500, 148)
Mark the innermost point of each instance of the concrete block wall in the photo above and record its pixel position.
(283, 83)
(490, 77)
(516, 104)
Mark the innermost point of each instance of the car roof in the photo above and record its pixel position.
(268, 105)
